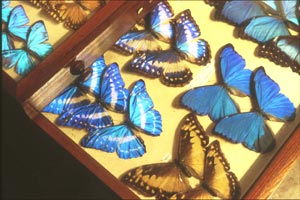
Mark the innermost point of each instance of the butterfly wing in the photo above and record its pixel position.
(92, 84)
(196, 193)
(112, 92)
(291, 12)
(283, 50)
(19, 58)
(165, 64)
(16, 23)
(71, 97)
(217, 177)
(247, 128)
(141, 112)
(234, 11)
(256, 28)
(87, 116)
(233, 73)
(160, 21)
(161, 180)
(7, 44)
(115, 138)
(37, 35)
(188, 43)
(209, 100)
(5, 10)
(192, 144)
(269, 99)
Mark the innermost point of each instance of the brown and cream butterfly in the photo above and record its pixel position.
(195, 159)
(72, 13)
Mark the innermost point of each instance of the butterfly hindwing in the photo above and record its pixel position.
(141, 112)
(247, 128)
(269, 99)
(115, 138)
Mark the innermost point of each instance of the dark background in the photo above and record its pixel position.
(34, 166)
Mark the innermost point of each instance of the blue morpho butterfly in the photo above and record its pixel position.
(157, 25)
(274, 16)
(283, 50)
(35, 46)
(14, 24)
(169, 64)
(214, 100)
(108, 87)
(121, 138)
(250, 128)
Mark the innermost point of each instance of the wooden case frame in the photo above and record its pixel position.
(108, 21)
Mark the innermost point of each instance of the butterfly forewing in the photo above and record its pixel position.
(192, 144)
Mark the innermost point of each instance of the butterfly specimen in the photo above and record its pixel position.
(110, 94)
(284, 50)
(214, 100)
(157, 25)
(250, 128)
(72, 13)
(169, 64)
(13, 24)
(35, 49)
(121, 138)
(195, 158)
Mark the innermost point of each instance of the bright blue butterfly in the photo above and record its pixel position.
(111, 95)
(169, 64)
(35, 46)
(284, 50)
(250, 128)
(14, 24)
(214, 100)
(158, 25)
(5, 10)
(121, 138)
(75, 94)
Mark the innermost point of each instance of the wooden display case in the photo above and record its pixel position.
(258, 174)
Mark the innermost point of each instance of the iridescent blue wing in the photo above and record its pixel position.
(256, 28)
(233, 73)
(284, 51)
(234, 11)
(157, 25)
(18, 58)
(16, 23)
(36, 38)
(115, 138)
(165, 64)
(269, 99)
(71, 97)
(188, 43)
(6, 42)
(209, 100)
(141, 112)
(112, 91)
(160, 21)
(5, 10)
(88, 116)
(92, 84)
(291, 12)
(247, 128)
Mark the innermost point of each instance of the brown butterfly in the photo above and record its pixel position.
(72, 13)
(217, 181)
(162, 180)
